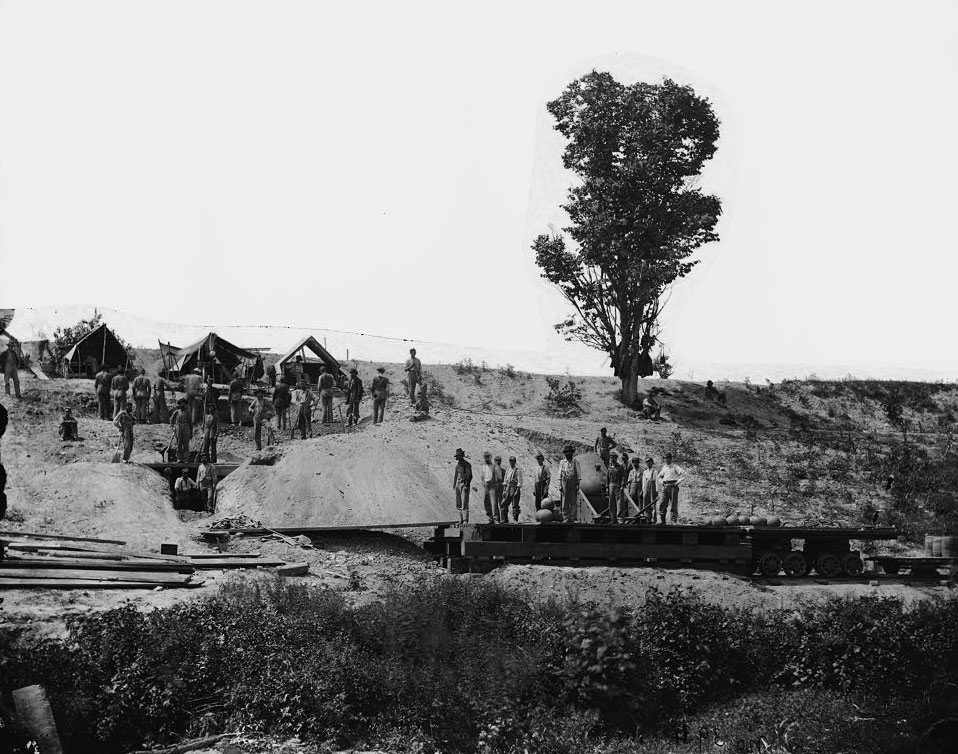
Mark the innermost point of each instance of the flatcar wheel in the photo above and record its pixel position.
(828, 565)
(769, 563)
(795, 564)
(852, 564)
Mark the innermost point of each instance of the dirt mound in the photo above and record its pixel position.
(398, 472)
(112, 501)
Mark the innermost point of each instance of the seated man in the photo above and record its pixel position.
(68, 426)
(650, 407)
(183, 489)
(714, 394)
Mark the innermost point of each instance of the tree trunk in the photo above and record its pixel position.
(629, 375)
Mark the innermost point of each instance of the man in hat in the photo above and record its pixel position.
(161, 413)
(101, 384)
(193, 385)
(650, 488)
(327, 383)
(212, 395)
(119, 386)
(237, 386)
(282, 398)
(541, 481)
(490, 488)
(68, 425)
(633, 482)
(512, 487)
(183, 489)
(616, 478)
(262, 413)
(142, 390)
(380, 390)
(671, 475)
(354, 394)
(603, 445)
(124, 422)
(413, 370)
(300, 409)
(296, 369)
(570, 476)
(461, 481)
(182, 421)
(206, 478)
(500, 475)
(211, 432)
(11, 367)
(650, 408)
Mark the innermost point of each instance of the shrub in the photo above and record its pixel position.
(508, 371)
(466, 666)
(465, 366)
(437, 392)
(563, 397)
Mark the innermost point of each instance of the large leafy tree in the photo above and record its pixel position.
(637, 213)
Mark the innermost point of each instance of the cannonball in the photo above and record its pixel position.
(543, 516)
(549, 505)
(717, 521)
(758, 521)
(744, 520)
(731, 520)
(774, 521)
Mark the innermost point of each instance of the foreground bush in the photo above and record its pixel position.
(464, 665)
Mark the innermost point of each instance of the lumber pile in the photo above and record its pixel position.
(30, 561)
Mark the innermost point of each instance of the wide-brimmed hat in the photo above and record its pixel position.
(380, 369)
(460, 453)
(354, 371)
(650, 459)
(568, 449)
(197, 371)
(539, 455)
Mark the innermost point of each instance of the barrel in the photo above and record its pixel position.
(936, 546)
(949, 547)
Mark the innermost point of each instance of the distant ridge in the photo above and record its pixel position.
(40, 322)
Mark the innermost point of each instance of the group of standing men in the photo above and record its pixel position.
(196, 409)
(650, 489)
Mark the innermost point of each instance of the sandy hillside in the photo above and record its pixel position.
(805, 451)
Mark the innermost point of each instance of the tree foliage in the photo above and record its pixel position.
(637, 214)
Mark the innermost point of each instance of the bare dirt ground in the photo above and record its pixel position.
(738, 457)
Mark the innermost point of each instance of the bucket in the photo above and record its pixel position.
(936, 547)
(949, 547)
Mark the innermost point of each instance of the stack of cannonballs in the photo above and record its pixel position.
(546, 513)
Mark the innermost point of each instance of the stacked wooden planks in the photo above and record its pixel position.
(59, 562)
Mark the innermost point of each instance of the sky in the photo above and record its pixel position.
(384, 166)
